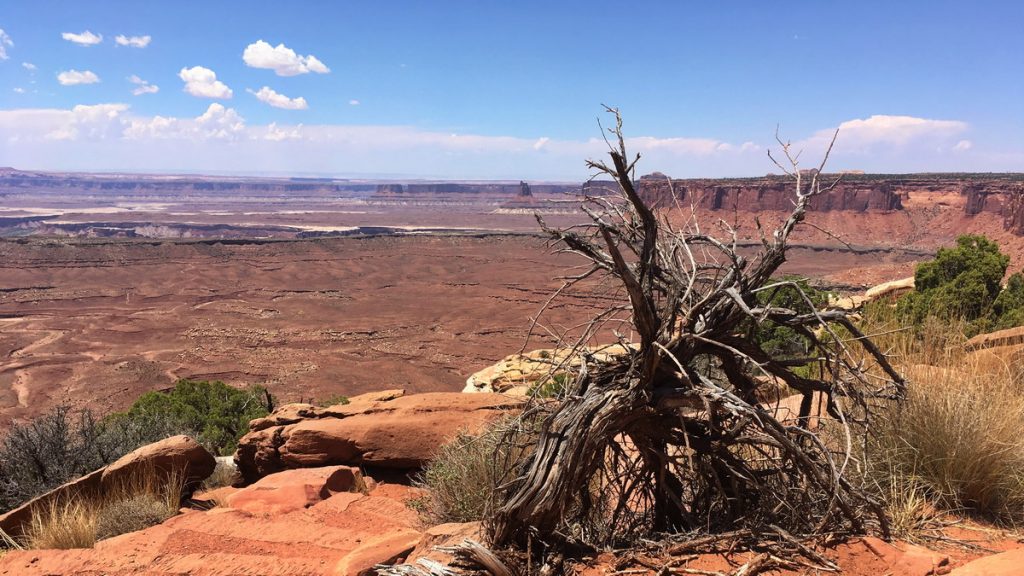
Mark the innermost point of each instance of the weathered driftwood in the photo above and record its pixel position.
(619, 456)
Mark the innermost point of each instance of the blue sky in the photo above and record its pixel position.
(488, 89)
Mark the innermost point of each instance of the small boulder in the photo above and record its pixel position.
(518, 374)
(296, 489)
(174, 455)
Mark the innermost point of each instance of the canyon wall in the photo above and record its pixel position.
(999, 194)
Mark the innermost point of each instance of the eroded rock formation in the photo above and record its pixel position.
(975, 194)
(383, 430)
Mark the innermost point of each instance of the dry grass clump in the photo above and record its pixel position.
(63, 525)
(956, 441)
(224, 474)
(131, 514)
(461, 480)
(959, 435)
(143, 500)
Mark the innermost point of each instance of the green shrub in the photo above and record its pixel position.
(215, 414)
(964, 282)
(551, 387)
(332, 401)
(64, 444)
(779, 341)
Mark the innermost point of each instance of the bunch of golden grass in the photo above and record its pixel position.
(956, 441)
(139, 501)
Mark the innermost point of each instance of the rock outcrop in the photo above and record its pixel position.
(177, 455)
(518, 374)
(174, 455)
(972, 194)
(1009, 563)
(297, 522)
(999, 338)
(760, 194)
(891, 290)
(383, 430)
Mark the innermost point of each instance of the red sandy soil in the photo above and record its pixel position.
(97, 323)
(954, 547)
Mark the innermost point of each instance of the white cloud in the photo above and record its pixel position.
(963, 146)
(898, 130)
(74, 77)
(142, 86)
(19, 90)
(219, 139)
(86, 38)
(5, 42)
(268, 96)
(683, 146)
(202, 83)
(217, 123)
(95, 122)
(132, 41)
(354, 102)
(275, 134)
(281, 59)
(28, 66)
(883, 135)
(220, 122)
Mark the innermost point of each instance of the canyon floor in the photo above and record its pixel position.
(98, 322)
(235, 289)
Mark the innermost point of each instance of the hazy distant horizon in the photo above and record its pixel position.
(453, 91)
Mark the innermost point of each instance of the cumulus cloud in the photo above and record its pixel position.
(541, 142)
(90, 122)
(74, 77)
(86, 38)
(5, 42)
(963, 146)
(217, 123)
(142, 86)
(132, 41)
(893, 137)
(28, 66)
(898, 130)
(268, 96)
(281, 59)
(19, 90)
(275, 134)
(353, 102)
(220, 122)
(202, 83)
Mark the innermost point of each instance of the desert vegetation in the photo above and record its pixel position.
(675, 435)
(139, 501)
(65, 444)
(966, 282)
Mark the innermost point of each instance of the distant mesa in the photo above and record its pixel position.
(1000, 194)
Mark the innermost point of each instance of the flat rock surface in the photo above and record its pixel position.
(344, 534)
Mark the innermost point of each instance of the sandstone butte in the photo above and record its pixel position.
(309, 507)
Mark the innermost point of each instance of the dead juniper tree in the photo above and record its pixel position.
(673, 435)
